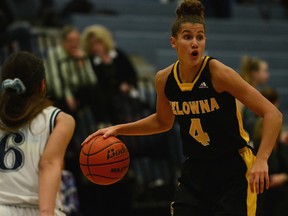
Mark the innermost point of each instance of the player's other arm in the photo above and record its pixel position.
(51, 163)
(226, 79)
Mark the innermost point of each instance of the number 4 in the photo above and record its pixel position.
(197, 132)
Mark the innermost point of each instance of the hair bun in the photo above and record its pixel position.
(190, 8)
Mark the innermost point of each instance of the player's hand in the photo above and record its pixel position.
(259, 178)
(105, 132)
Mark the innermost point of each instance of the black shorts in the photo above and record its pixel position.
(216, 189)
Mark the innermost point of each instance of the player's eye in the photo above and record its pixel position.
(200, 37)
(187, 37)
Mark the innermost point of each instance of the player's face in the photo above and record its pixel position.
(190, 43)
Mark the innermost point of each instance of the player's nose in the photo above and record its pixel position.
(194, 43)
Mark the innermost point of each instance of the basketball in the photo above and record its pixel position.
(104, 161)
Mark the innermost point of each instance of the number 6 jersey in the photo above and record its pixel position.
(20, 154)
(210, 124)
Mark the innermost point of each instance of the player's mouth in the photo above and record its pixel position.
(195, 53)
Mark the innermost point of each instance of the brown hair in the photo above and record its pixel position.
(66, 31)
(249, 65)
(188, 11)
(17, 109)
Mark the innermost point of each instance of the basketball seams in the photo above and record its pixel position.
(89, 171)
(106, 163)
(88, 154)
(102, 176)
(102, 172)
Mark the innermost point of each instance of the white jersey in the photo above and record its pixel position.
(20, 154)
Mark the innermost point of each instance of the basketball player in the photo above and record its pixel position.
(220, 176)
(33, 139)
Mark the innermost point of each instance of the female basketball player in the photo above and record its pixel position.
(33, 139)
(220, 176)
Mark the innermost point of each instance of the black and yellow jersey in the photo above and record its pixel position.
(210, 124)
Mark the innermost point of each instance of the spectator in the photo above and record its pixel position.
(73, 86)
(71, 75)
(115, 72)
(255, 72)
(117, 80)
(274, 201)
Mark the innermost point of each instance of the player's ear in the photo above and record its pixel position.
(173, 41)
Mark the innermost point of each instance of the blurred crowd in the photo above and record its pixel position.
(96, 82)
(273, 201)
(91, 78)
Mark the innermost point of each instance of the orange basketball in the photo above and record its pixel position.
(104, 161)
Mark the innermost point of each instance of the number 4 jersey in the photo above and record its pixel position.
(20, 154)
(210, 124)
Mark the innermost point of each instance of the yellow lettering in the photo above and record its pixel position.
(214, 104)
(204, 106)
(173, 105)
(179, 112)
(186, 108)
(194, 107)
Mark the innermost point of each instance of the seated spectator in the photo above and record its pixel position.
(71, 81)
(274, 201)
(71, 75)
(116, 75)
(72, 84)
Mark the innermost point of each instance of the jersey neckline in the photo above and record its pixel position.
(188, 86)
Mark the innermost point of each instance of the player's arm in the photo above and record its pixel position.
(226, 79)
(158, 122)
(51, 163)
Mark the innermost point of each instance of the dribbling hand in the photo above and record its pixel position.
(105, 132)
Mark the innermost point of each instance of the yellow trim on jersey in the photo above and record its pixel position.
(243, 133)
(188, 86)
(251, 200)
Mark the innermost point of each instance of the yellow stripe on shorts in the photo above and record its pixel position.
(249, 159)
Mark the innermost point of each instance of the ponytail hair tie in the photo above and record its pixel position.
(15, 84)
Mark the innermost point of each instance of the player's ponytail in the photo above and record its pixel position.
(21, 98)
(188, 11)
